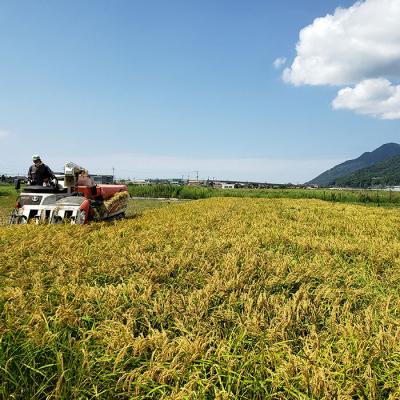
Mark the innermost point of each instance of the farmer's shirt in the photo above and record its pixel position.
(38, 174)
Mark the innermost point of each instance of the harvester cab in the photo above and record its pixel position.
(73, 197)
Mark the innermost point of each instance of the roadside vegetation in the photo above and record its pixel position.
(221, 298)
(380, 197)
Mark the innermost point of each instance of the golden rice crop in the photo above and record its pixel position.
(218, 298)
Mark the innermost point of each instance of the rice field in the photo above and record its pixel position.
(222, 298)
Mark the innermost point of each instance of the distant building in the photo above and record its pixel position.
(224, 185)
(139, 182)
(194, 182)
(228, 186)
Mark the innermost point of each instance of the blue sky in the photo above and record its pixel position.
(162, 89)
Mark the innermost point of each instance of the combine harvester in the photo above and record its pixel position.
(72, 198)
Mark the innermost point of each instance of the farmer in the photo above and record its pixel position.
(39, 173)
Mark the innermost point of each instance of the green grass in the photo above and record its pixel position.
(8, 196)
(7, 192)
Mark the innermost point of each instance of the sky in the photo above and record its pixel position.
(241, 90)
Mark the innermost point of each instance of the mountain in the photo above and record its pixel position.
(382, 153)
(382, 173)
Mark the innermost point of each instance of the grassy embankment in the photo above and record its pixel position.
(218, 298)
(380, 197)
(7, 200)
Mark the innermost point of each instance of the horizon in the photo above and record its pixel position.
(196, 173)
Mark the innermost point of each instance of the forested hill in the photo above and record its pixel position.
(382, 153)
(382, 173)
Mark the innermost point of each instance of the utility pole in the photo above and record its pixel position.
(113, 169)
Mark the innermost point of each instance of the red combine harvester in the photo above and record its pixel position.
(74, 198)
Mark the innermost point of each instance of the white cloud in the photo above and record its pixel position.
(375, 97)
(353, 44)
(359, 46)
(279, 62)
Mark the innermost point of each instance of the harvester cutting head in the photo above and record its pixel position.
(50, 204)
(74, 199)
